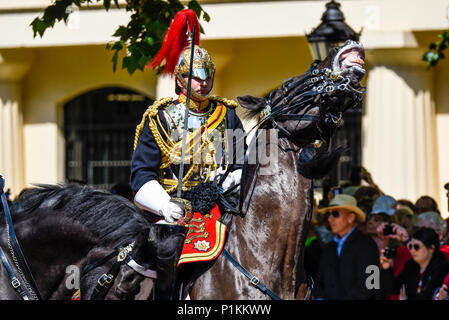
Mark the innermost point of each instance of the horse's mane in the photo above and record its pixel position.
(248, 116)
(252, 107)
(113, 219)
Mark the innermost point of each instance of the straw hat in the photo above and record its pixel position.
(345, 201)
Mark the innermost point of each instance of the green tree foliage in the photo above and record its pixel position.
(435, 52)
(140, 39)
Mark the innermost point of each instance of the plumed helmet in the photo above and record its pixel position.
(176, 51)
(203, 66)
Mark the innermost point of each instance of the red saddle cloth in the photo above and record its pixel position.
(205, 238)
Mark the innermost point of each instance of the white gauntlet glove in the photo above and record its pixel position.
(152, 197)
(231, 180)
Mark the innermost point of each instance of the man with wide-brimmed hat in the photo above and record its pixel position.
(343, 266)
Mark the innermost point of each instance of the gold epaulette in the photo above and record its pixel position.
(170, 150)
(227, 102)
(152, 111)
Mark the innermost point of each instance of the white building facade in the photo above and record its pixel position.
(255, 46)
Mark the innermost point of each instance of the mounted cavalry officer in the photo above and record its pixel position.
(162, 146)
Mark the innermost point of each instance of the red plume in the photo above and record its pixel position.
(176, 40)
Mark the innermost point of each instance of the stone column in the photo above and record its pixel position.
(442, 109)
(11, 140)
(399, 125)
(13, 66)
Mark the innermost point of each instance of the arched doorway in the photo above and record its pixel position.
(99, 128)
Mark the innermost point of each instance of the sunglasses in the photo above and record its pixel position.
(334, 214)
(415, 246)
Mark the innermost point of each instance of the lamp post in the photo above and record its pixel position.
(331, 32)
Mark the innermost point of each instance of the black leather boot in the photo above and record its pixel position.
(169, 240)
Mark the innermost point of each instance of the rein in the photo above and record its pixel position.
(15, 247)
(252, 279)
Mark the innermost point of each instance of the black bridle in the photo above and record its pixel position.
(317, 82)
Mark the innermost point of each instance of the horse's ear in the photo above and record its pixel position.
(252, 103)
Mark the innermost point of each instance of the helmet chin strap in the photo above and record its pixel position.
(193, 94)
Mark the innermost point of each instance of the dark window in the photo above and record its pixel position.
(99, 128)
(350, 135)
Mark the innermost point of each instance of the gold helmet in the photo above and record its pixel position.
(203, 67)
(176, 49)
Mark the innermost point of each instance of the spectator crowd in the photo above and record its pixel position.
(365, 244)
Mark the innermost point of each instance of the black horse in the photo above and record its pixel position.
(71, 236)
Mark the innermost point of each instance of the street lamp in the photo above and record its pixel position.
(332, 31)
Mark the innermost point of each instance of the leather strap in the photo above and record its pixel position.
(253, 279)
(13, 236)
(15, 283)
(141, 270)
(105, 282)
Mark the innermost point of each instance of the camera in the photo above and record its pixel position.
(390, 253)
(388, 229)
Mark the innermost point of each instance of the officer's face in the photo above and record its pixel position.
(202, 87)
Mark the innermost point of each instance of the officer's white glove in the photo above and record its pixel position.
(152, 197)
(231, 180)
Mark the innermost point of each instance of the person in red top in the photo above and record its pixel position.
(426, 219)
(422, 274)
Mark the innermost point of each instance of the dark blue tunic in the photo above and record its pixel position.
(146, 159)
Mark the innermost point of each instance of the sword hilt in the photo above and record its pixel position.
(186, 206)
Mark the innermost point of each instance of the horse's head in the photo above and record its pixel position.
(348, 61)
(133, 281)
(307, 109)
(153, 256)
